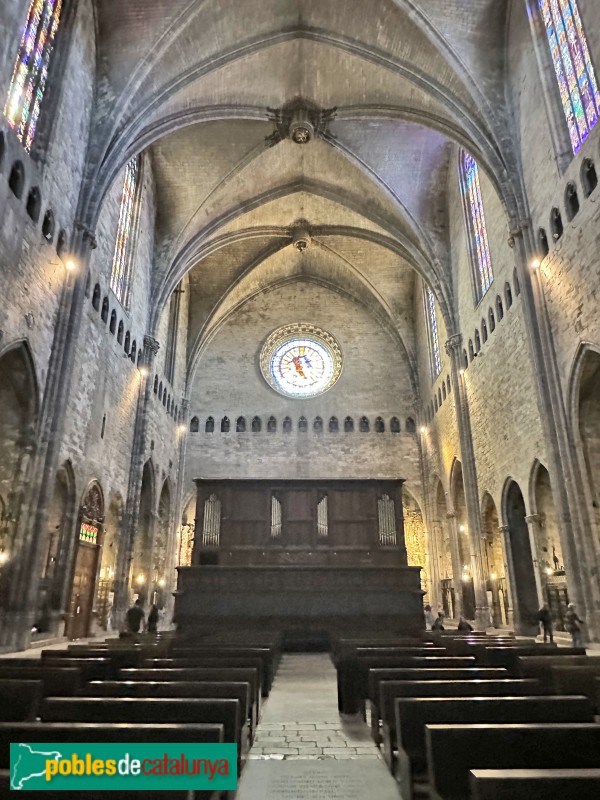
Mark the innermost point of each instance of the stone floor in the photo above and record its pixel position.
(304, 750)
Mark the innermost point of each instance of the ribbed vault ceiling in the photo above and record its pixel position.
(192, 81)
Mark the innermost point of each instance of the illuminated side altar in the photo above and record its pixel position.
(324, 555)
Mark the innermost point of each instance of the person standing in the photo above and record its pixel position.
(152, 619)
(545, 620)
(573, 625)
(135, 616)
(429, 618)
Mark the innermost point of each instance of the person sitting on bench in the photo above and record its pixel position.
(463, 625)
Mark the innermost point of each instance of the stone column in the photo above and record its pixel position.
(533, 525)
(456, 564)
(32, 517)
(509, 573)
(134, 488)
(482, 612)
(435, 595)
(581, 551)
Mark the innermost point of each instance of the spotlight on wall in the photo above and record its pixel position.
(70, 264)
(461, 528)
(3, 557)
(462, 372)
(549, 571)
(422, 428)
(162, 583)
(141, 579)
(535, 263)
(182, 429)
(144, 372)
(493, 576)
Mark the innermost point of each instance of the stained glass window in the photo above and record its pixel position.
(573, 67)
(120, 281)
(434, 341)
(28, 82)
(476, 221)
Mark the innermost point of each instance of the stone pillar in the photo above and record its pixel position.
(509, 573)
(482, 612)
(533, 525)
(32, 517)
(435, 591)
(581, 551)
(172, 551)
(134, 488)
(456, 564)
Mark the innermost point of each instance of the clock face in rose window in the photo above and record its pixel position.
(302, 366)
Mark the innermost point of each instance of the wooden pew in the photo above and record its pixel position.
(414, 713)
(509, 656)
(238, 691)
(231, 674)
(454, 750)
(268, 656)
(389, 691)
(19, 699)
(59, 682)
(223, 661)
(582, 680)
(535, 784)
(353, 674)
(110, 733)
(226, 712)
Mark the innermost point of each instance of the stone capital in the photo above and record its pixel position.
(503, 528)
(454, 344)
(451, 515)
(151, 345)
(88, 236)
(537, 518)
(185, 407)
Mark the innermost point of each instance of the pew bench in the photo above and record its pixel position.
(226, 712)
(19, 699)
(535, 784)
(454, 750)
(268, 656)
(223, 661)
(59, 682)
(414, 713)
(390, 690)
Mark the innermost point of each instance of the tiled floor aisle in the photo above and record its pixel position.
(301, 742)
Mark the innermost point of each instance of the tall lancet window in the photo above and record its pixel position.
(30, 73)
(573, 67)
(434, 340)
(480, 249)
(120, 279)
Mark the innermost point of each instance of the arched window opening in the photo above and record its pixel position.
(573, 67)
(516, 283)
(30, 72)
(448, 384)
(508, 298)
(492, 320)
(318, 425)
(499, 309)
(165, 398)
(61, 244)
(477, 341)
(443, 391)
(543, 245)
(302, 425)
(209, 426)
(480, 252)
(113, 322)
(16, 180)
(120, 331)
(589, 176)
(139, 357)
(96, 298)
(2, 147)
(484, 333)
(364, 426)
(256, 425)
(103, 427)
(127, 347)
(435, 403)
(160, 391)
(133, 352)
(194, 425)
(556, 224)
(333, 425)
(105, 309)
(571, 201)
(271, 425)
(287, 425)
(471, 350)
(48, 226)
(439, 395)
(156, 384)
(432, 327)
(395, 425)
(225, 425)
(34, 204)
(240, 425)
(348, 425)
(121, 274)
(465, 359)
(379, 425)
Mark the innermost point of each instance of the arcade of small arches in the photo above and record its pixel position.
(255, 425)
